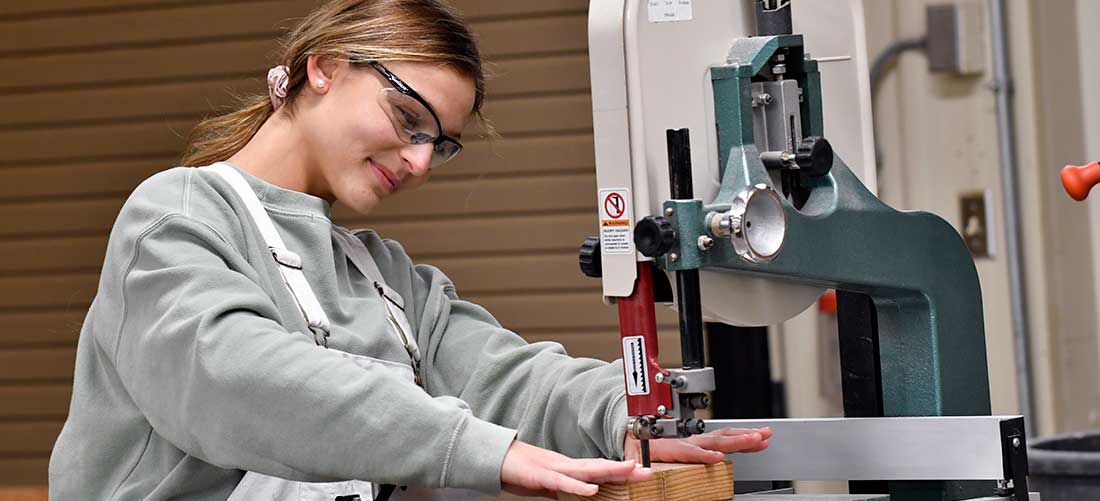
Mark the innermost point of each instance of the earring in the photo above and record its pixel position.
(320, 82)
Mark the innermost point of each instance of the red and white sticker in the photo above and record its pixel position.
(616, 236)
(634, 363)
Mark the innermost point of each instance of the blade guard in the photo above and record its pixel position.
(638, 332)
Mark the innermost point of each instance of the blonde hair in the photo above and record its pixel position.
(357, 31)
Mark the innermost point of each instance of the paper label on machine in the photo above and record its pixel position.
(664, 11)
(616, 236)
(634, 363)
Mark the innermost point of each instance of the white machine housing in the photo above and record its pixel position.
(650, 66)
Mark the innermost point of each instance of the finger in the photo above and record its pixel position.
(530, 493)
(601, 470)
(732, 431)
(727, 444)
(682, 451)
(765, 432)
(763, 445)
(632, 449)
(560, 482)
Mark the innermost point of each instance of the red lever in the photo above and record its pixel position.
(1079, 179)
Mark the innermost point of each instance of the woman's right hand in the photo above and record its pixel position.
(533, 471)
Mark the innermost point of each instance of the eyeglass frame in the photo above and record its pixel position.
(405, 89)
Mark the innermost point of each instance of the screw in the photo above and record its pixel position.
(661, 410)
(705, 242)
(659, 377)
(673, 257)
(669, 211)
(761, 98)
(1016, 442)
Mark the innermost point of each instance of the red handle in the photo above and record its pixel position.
(1079, 179)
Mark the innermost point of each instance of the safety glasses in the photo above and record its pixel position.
(413, 118)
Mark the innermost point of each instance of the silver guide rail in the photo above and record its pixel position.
(885, 448)
(787, 495)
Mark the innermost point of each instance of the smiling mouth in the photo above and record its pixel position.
(389, 182)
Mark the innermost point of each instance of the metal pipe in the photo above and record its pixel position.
(691, 319)
(1006, 135)
(679, 164)
(687, 281)
(773, 17)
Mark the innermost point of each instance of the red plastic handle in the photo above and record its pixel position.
(1079, 179)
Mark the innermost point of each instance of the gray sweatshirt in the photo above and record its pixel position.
(194, 363)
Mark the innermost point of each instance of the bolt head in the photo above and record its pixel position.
(673, 257)
(1016, 442)
(669, 211)
(659, 377)
(662, 410)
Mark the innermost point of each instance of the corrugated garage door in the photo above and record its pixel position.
(97, 96)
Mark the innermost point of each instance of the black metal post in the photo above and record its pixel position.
(861, 379)
(773, 17)
(687, 281)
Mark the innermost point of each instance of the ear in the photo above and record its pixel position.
(321, 70)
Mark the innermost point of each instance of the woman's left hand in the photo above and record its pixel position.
(710, 447)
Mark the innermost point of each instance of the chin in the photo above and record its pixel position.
(361, 203)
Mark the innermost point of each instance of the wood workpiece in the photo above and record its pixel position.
(671, 482)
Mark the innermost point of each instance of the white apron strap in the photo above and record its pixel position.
(357, 251)
(290, 264)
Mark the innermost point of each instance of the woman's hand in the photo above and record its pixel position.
(710, 447)
(532, 471)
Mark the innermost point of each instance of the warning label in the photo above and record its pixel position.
(616, 236)
(637, 372)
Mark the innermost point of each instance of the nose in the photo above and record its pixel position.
(418, 157)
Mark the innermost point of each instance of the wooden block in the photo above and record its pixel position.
(671, 482)
(23, 494)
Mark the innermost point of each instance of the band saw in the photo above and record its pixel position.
(716, 175)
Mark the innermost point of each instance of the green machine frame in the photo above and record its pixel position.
(913, 265)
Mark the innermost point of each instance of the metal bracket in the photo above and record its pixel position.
(689, 387)
(1014, 453)
(691, 380)
(651, 427)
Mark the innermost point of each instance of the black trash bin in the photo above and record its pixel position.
(1065, 467)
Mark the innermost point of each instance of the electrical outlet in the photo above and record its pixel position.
(975, 223)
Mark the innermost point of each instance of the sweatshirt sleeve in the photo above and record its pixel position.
(576, 406)
(200, 353)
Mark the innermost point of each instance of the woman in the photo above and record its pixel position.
(241, 346)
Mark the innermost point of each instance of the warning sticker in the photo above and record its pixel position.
(664, 11)
(637, 372)
(616, 236)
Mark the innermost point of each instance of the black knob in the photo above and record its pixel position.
(654, 236)
(814, 156)
(590, 257)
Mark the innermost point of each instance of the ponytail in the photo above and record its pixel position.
(218, 138)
